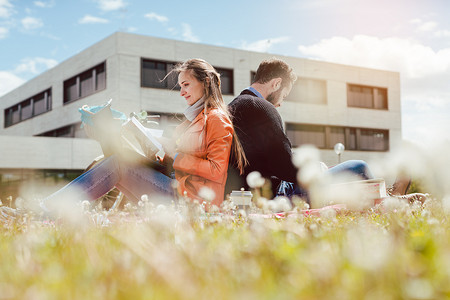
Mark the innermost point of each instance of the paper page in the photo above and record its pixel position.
(148, 133)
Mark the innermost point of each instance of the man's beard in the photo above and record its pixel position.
(274, 97)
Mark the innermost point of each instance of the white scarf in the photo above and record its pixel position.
(193, 110)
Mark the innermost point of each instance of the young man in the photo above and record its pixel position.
(259, 128)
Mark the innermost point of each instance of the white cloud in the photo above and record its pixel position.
(35, 65)
(188, 35)
(424, 75)
(88, 19)
(8, 82)
(3, 32)
(412, 59)
(6, 8)
(44, 4)
(442, 33)
(427, 26)
(264, 45)
(109, 5)
(30, 23)
(159, 18)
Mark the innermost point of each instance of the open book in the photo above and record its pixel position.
(138, 136)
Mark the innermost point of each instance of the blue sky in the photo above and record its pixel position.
(408, 36)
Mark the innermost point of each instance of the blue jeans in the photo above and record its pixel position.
(358, 168)
(132, 179)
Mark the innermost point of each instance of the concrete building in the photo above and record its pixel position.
(40, 136)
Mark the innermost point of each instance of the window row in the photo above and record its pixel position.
(70, 131)
(325, 137)
(33, 106)
(314, 91)
(366, 97)
(156, 74)
(85, 84)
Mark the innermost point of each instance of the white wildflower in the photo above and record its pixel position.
(368, 247)
(273, 206)
(206, 194)
(255, 180)
(305, 155)
(310, 174)
(242, 213)
(20, 203)
(328, 213)
(446, 203)
(144, 198)
(283, 203)
(393, 204)
(85, 205)
(261, 202)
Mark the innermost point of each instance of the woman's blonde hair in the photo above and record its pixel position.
(210, 78)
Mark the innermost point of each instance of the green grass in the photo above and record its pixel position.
(156, 253)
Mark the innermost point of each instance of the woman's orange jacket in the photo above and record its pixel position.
(204, 147)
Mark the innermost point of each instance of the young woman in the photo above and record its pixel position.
(198, 153)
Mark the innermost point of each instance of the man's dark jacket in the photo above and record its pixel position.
(259, 128)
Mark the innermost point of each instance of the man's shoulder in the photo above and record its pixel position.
(248, 100)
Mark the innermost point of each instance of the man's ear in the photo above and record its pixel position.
(276, 84)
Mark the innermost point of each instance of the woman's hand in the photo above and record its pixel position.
(169, 146)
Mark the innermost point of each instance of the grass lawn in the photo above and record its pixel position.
(387, 252)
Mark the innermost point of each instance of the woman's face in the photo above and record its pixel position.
(191, 89)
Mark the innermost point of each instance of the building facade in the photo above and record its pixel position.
(40, 134)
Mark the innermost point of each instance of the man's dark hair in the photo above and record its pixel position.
(274, 68)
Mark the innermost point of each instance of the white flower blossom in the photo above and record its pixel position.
(304, 155)
(255, 180)
(206, 194)
(283, 204)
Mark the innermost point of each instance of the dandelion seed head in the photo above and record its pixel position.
(255, 180)
(144, 198)
(310, 174)
(418, 288)
(261, 202)
(328, 214)
(242, 213)
(304, 155)
(20, 203)
(368, 247)
(446, 204)
(283, 203)
(85, 205)
(206, 194)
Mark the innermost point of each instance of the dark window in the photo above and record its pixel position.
(306, 90)
(154, 74)
(65, 131)
(367, 97)
(42, 103)
(335, 135)
(71, 90)
(85, 83)
(375, 140)
(226, 79)
(100, 77)
(300, 134)
(16, 115)
(325, 137)
(28, 108)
